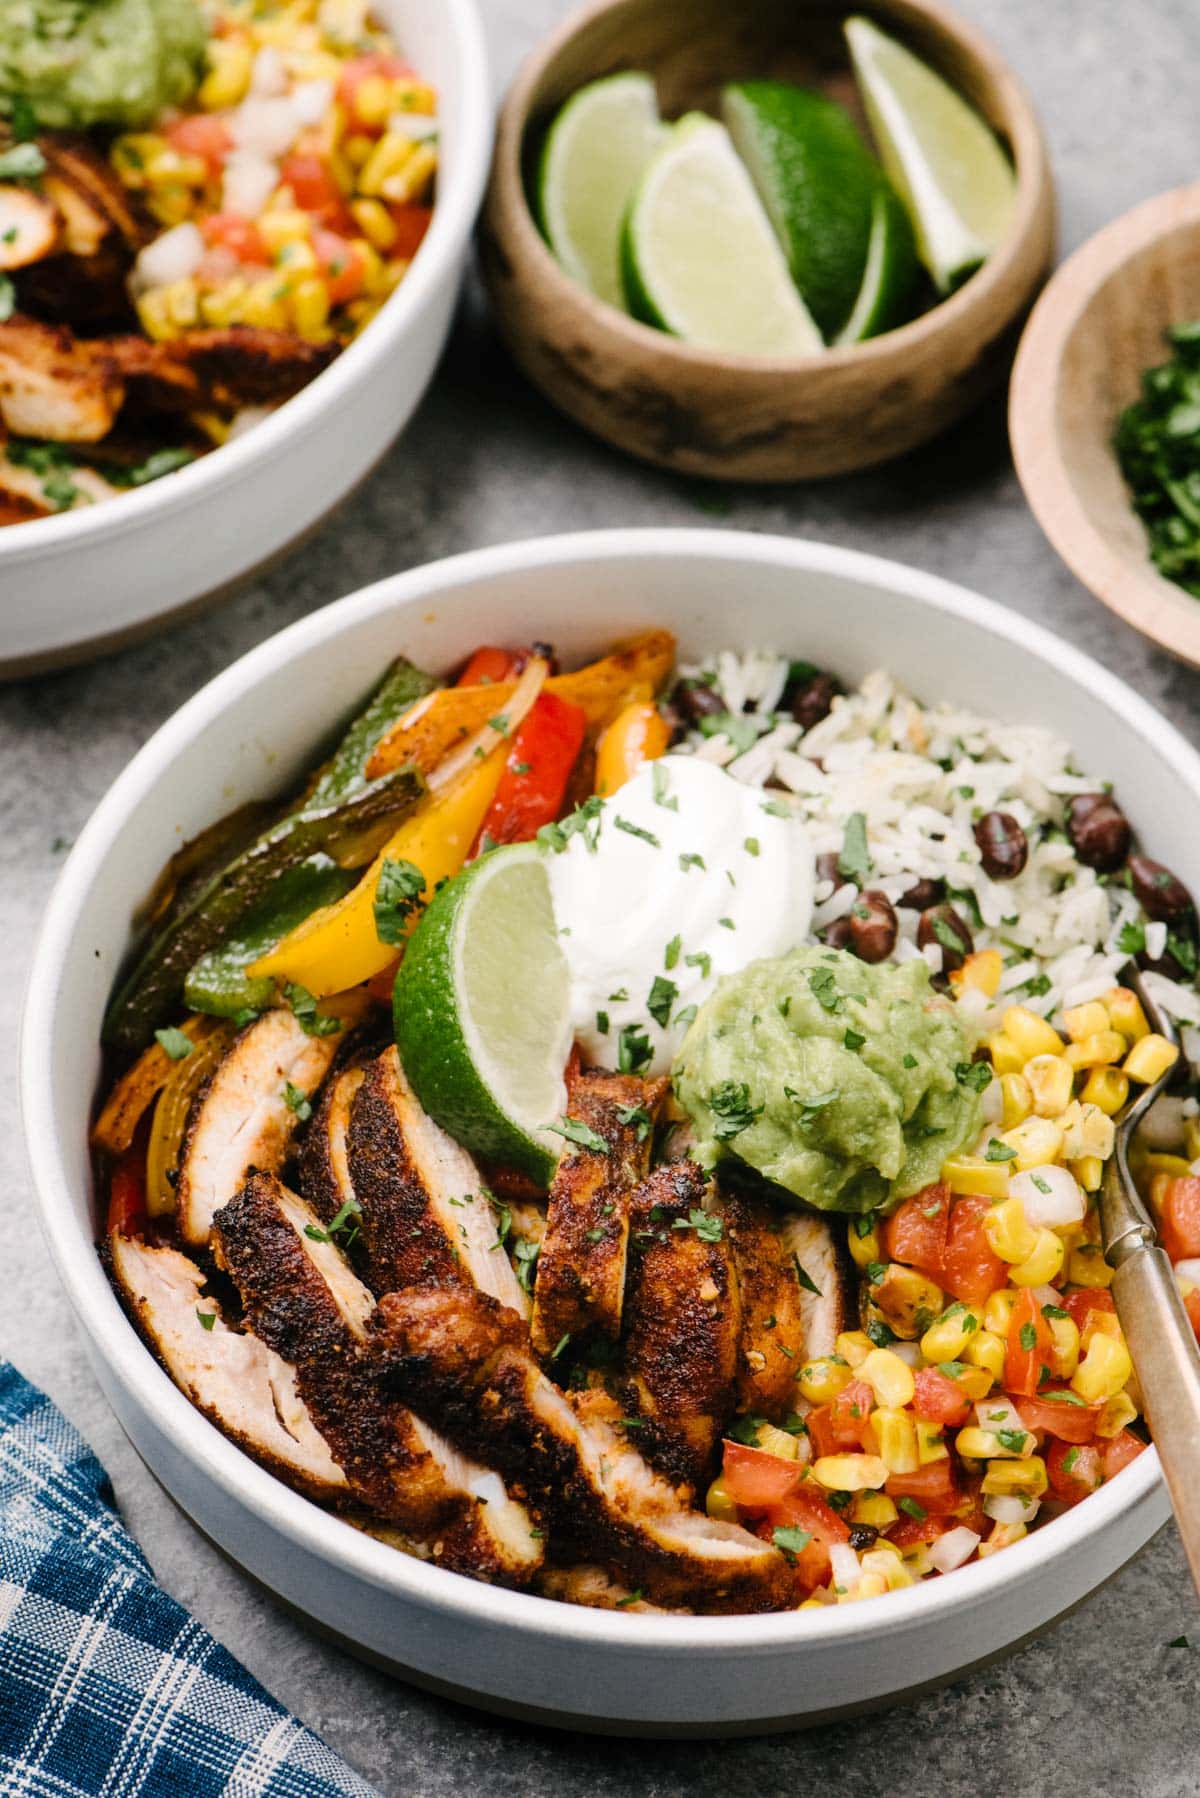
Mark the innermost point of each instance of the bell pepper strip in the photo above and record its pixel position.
(134, 1093)
(534, 781)
(342, 814)
(636, 671)
(339, 946)
(127, 1191)
(490, 665)
(218, 983)
(169, 1121)
(638, 734)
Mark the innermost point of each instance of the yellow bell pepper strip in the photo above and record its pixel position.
(637, 734)
(339, 946)
(429, 730)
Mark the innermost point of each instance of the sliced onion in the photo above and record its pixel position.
(476, 748)
(952, 1549)
(1051, 1195)
(175, 256)
(250, 180)
(1010, 1507)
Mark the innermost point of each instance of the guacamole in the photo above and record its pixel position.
(73, 63)
(843, 1083)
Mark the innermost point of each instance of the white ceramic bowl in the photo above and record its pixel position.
(255, 728)
(75, 584)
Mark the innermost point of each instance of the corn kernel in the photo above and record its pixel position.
(916, 1559)
(778, 1443)
(263, 305)
(1089, 1171)
(1026, 1479)
(375, 222)
(155, 317)
(980, 973)
(885, 1564)
(718, 1503)
(864, 1249)
(997, 1313)
(287, 225)
(1006, 1057)
(868, 1585)
(385, 162)
(1157, 1161)
(1104, 1370)
(971, 1173)
(1086, 1130)
(1118, 1413)
(1003, 1535)
(1037, 1141)
(931, 1445)
(973, 1382)
(890, 1378)
(977, 1444)
(172, 204)
(310, 306)
(1031, 1035)
(853, 1346)
(1064, 1334)
(1125, 1013)
(904, 1298)
(1051, 1081)
(1009, 1233)
(1043, 1265)
(1100, 1323)
(823, 1378)
(986, 1351)
(1108, 1088)
(1017, 1100)
(875, 1508)
(230, 60)
(850, 1473)
(1096, 1051)
(946, 1339)
(373, 100)
(412, 180)
(897, 1439)
(1082, 1021)
(1087, 1267)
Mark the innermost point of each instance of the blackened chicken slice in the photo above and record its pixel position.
(242, 1118)
(682, 1323)
(769, 1288)
(304, 1300)
(240, 1384)
(581, 1270)
(592, 1587)
(828, 1287)
(459, 1357)
(426, 1217)
(324, 1176)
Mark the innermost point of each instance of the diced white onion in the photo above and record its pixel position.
(268, 77)
(1163, 1125)
(420, 126)
(174, 256)
(1188, 1270)
(847, 1569)
(1156, 940)
(1000, 1413)
(250, 180)
(909, 1352)
(992, 1105)
(952, 1549)
(1052, 1197)
(312, 100)
(265, 127)
(1010, 1507)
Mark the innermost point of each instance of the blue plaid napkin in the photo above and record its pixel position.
(106, 1684)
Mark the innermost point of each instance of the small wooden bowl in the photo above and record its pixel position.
(754, 418)
(1098, 325)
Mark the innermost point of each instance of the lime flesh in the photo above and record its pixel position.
(945, 162)
(482, 1011)
(594, 153)
(700, 257)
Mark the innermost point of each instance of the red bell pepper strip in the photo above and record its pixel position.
(530, 794)
(489, 665)
(127, 1190)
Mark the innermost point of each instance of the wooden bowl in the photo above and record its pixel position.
(755, 418)
(1099, 323)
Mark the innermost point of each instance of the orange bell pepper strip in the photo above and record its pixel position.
(637, 734)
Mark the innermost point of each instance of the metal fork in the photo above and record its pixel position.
(1158, 1331)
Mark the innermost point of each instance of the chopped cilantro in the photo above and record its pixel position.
(854, 861)
(662, 995)
(397, 895)
(297, 1100)
(688, 860)
(672, 951)
(999, 1151)
(752, 846)
(636, 1116)
(824, 989)
(730, 1104)
(914, 1510)
(176, 1043)
(1028, 1337)
(207, 1318)
(853, 1040)
(602, 1022)
(580, 1133)
(633, 1049)
(700, 960)
(526, 1254)
(659, 781)
(635, 830)
(745, 1429)
(304, 1008)
(792, 1540)
(975, 1074)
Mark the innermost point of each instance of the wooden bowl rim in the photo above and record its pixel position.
(1135, 591)
(1034, 188)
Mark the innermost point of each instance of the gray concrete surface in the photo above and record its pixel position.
(1103, 1703)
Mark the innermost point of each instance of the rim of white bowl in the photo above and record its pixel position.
(296, 1518)
(458, 201)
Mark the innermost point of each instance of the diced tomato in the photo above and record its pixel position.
(358, 69)
(933, 1486)
(971, 1271)
(127, 1189)
(1067, 1420)
(530, 794)
(411, 222)
(1191, 1305)
(343, 265)
(911, 1530)
(232, 231)
(969, 1509)
(204, 135)
(1030, 1346)
(754, 1479)
(1083, 1301)
(1074, 1470)
(315, 190)
(490, 665)
(916, 1231)
(939, 1398)
(802, 1509)
(1179, 1225)
(838, 1427)
(1120, 1450)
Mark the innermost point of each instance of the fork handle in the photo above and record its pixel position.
(1163, 1346)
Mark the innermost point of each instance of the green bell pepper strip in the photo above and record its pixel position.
(218, 983)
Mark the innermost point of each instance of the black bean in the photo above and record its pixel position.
(1003, 845)
(837, 934)
(1164, 964)
(1157, 890)
(863, 1536)
(694, 699)
(812, 699)
(942, 925)
(827, 867)
(922, 894)
(873, 927)
(1099, 831)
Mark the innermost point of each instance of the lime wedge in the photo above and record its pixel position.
(700, 257)
(821, 185)
(482, 1011)
(594, 153)
(945, 162)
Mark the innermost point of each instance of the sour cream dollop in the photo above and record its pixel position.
(684, 875)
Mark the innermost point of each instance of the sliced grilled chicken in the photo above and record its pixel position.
(593, 1587)
(242, 1118)
(75, 161)
(248, 1391)
(772, 1338)
(29, 226)
(251, 365)
(425, 1214)
(53, 386)
(305, 1302)
(682, 1324)
(156, 379)
(458, 1356)
(25, 489)
(817, 1244)
(581, 1270)
(324, 1155)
